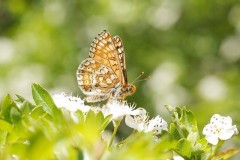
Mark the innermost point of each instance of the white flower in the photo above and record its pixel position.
(70, 103)
(156, 125)
(219, 128)
(117, 109)
(177, 157)
(137, 120)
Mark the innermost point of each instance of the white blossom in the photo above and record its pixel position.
(219, 128)
(156, 125)
(177, 157)
(137, 120)
(70, 103)
(117, 109)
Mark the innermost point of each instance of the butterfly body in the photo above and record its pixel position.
(103, 75)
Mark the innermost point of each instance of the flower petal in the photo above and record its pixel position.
(130, 122)
(213, 139)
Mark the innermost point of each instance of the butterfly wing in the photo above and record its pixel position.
(104, 73)
(96, 80)
(103, 49)
(121, 55)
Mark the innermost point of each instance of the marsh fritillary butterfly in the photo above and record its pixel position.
(103, 75)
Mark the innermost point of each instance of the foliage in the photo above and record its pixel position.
(44, 131)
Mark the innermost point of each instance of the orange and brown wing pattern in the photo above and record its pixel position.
(121, 55)
(103, 50)
(95, 78)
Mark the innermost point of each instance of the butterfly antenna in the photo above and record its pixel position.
(143, 79)
(136, 79)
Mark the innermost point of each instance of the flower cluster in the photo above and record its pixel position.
(219, 128)
(70, 102)
(134, 118)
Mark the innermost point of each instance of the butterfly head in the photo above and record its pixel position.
(129, 90)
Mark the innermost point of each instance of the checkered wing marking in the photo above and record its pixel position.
(121, 55)
(104, 51)
(95, 78)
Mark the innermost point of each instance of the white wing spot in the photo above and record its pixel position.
(86, 63)
(101, 44)
(92, 61)
(110, 47)
(112, 77)
(103, 84)
(100, 78)
(109, 81)
(104, 41)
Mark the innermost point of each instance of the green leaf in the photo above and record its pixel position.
(7, 106)
(5, 126)
(189, 121)
(193, 137)
(79, 114)
(40, 147)
(91, 117)
(142, 146)
(174, 132)
(43, 98)
(183, 148)
(15, 115)
(3, 137)
(26, 108)
(105, 122)
(99, 118)
(38, 112)
(184, 121)
(20, 98)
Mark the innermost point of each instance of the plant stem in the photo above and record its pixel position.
(216, 148)
(133, 133)
(116, 125)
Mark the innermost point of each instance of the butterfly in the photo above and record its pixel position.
(103, 75)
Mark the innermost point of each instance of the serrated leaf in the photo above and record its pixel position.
(184, 121)
(43, 98)
(189, 121)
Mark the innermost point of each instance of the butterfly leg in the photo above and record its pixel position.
(97, 98)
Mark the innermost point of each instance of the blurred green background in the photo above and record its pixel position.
(191, 49)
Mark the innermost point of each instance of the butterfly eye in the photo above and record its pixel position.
(133, 88)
